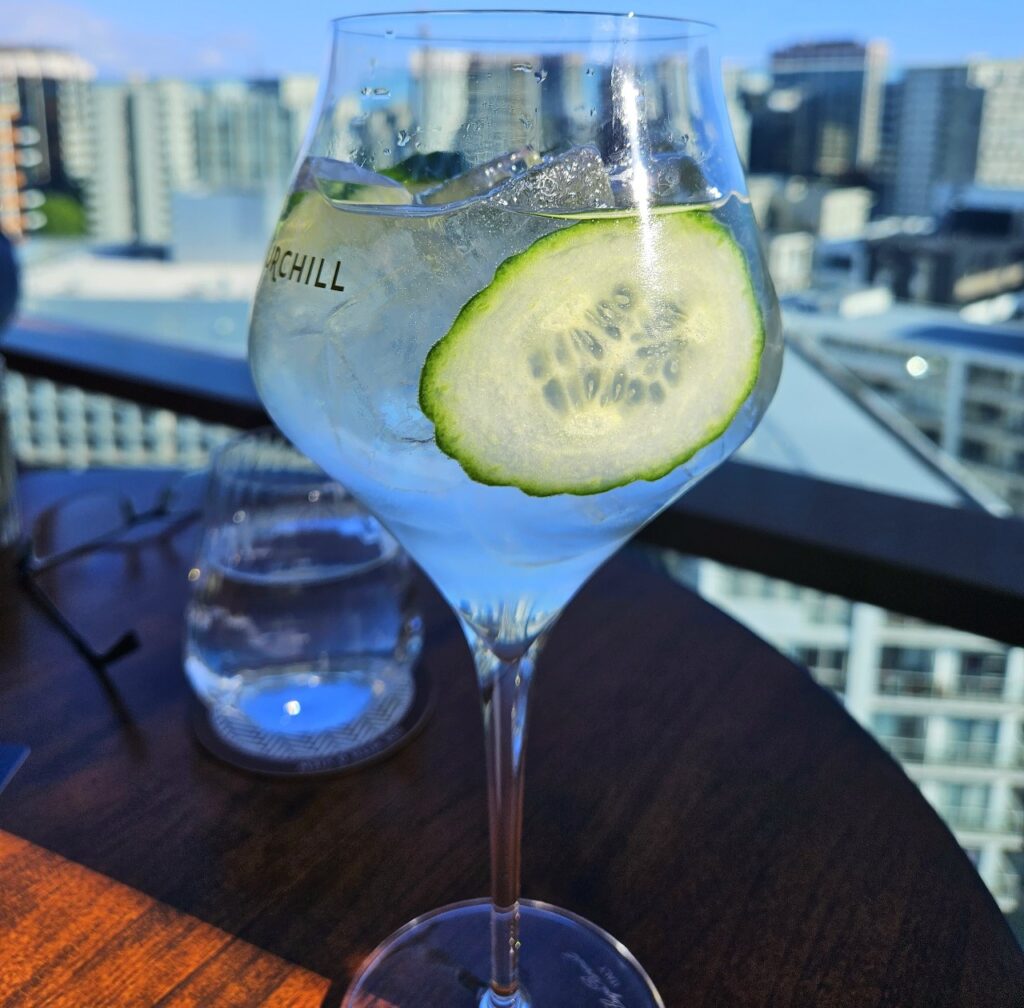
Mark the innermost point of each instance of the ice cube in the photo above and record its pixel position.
(424, 171)
(572, 182)
(481, 180)
(341, 182)
(667, 178)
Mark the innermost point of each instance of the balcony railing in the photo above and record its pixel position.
(979, 818)
(954, 566)
(965, 753)
(967, 817)
(897, 682)
(908, 750)
(980, 686)
(830, 678)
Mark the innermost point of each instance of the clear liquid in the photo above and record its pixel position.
(339, 371)
(297, 629)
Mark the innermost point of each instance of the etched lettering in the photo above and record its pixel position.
(302, 268)
(593, 981)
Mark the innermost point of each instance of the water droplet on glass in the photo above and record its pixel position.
(365, 91)
(387, 150)
(403, 138)
(381, 92)
(590, 71)
(540, 76)
(526, 121)
(522, 67)
(389, 33)
(592, 111)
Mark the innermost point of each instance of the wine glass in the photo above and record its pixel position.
(516, 303)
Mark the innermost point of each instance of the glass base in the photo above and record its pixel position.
(357, 736)
(442, 960)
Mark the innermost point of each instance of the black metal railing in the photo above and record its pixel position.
(958, 566)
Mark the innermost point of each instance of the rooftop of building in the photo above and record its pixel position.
(823, 313)
(45, 62)
(813, 428)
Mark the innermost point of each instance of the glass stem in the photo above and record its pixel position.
(504, 689)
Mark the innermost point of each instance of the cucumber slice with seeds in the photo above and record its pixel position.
(607, 352)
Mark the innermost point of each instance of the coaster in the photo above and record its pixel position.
(377, 732)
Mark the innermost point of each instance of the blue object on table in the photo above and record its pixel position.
(11, 757)
(8, 281)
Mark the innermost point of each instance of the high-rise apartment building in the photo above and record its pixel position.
(948, 705)
(1000, 157)
(247, 133)
(41, 132)
(948, 127)
(831, 95)
(143, 148)
(931, 136)
(151, 139)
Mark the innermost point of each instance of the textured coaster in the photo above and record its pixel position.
(380, 729)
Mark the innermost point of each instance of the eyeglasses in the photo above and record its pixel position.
(79, 525)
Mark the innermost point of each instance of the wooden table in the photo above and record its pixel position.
(689, 789)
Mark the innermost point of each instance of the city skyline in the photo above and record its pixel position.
(193, 41)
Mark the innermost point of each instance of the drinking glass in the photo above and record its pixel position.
(516, 303)
(300, 632)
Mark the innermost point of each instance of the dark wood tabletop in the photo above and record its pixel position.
(688, 789)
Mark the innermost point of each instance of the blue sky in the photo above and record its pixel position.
(210, 38)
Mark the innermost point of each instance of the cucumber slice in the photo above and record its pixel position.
(607, 352)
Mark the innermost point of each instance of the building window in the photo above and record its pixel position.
(827, 664)
(907, 659)
(988, 376)
(905, 671)
(982, 673)
(902, 735)
(972, 450)
(984, 413)
(830, 610)
(964, 806)
(972, 741)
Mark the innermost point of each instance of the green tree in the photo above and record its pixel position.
(65, 216)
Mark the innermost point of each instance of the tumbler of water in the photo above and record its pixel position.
(301, 634)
